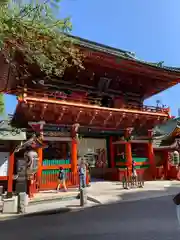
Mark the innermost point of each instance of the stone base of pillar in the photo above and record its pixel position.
(10, 205)
(22, 202)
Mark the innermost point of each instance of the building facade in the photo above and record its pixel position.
(96, 113)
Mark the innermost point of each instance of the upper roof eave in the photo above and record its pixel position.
(127, 55)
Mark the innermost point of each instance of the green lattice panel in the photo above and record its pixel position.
(51, 162)
(140, 159)
(54, 171)
(141, 162)
(137, 167)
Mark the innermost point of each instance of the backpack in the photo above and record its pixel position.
(176, 199)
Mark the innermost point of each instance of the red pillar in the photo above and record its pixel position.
(128, 150)
(39, 172)
(10, 173)
(151, 155)
(111, 148)
(166, 164)
(74, 160)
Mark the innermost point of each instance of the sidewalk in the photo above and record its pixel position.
(108, 192)
(104, 192)
(49, 208)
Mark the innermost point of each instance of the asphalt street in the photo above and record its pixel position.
(143, 220)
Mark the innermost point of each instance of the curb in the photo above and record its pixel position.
(91, 199)
(47, 212)
(35, 214)
(48, 200)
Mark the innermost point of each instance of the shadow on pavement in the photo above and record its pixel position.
(141, 194)
(48, 212)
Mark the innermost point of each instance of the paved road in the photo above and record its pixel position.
(143, 220)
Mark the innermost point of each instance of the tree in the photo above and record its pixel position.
(2, 105)
(30, 35)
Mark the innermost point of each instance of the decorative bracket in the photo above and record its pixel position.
(38, 127)
(74, 130)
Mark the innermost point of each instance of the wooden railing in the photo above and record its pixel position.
(49, 181)
(90, 101)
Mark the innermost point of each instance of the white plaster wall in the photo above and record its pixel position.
(4, 158)
(89, 145)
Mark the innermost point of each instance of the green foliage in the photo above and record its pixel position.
(2, 105)
(32, 30)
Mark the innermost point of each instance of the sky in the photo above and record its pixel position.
(150, 28)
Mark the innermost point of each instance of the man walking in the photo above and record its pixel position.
(82, 174)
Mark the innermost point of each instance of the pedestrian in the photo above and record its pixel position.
(134, 172)
(133, 176)
(88, 169)
(176, 201)
(61, 179)
(82, 174)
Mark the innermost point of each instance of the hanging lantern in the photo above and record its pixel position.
(176, 158)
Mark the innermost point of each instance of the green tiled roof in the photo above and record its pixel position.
(167, 128)
(163, 134)
(119, 53)
(9, 133)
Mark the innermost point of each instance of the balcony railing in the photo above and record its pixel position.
(91, 101)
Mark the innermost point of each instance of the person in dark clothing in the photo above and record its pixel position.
(134, 173)
(61, 179)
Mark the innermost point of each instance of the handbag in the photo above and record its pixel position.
(176, 199)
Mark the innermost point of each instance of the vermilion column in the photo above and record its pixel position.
(10, 174)
(40, 155)
(166, 164)
(111, 148)
(128, 153)
(151, 155)
(128, 150)
(74, 160)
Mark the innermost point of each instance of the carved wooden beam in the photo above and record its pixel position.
(61, 114)
(93, 117)
(107, 119)
(78, 115)
(43, 110)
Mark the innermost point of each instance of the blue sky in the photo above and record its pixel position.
(149, 28)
